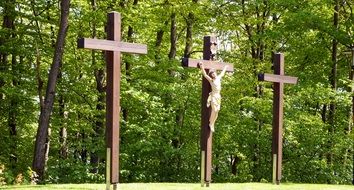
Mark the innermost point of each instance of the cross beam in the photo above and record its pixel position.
(279, 79)
(206, 134)
(208, 64)
(113, 47)
(109, 45)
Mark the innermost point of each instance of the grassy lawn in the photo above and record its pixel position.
(185, 186)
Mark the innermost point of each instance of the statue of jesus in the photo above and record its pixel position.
(214, 99)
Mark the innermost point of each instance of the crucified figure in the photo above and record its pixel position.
(214, 99)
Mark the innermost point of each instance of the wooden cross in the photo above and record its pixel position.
(206, 135)
(279, 79)
(113, 47)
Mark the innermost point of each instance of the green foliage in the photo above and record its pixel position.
(160, 100)
(186, 186)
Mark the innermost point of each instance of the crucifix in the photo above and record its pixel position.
(113, 48)
(209, 52)
(278, 78)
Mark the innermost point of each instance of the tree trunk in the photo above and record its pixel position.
(234, 161)
(189, 33)
(158, 43)
(159, 37)
(9, 24)
(12, 121)
(180, 112)
(351, 90)
(63, 153)
(173, 37)
(187, 51)
(40, 150)
(83, 151)
(125, 110)
(99, 123)
(333, 80)
(351, 114)
(324, 113)
(166, 172)
(257, 49)
(351, 77)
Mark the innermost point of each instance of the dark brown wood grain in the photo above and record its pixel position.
(278, 103)
(113, 95)
(206, 134)
(113, 47)
(206, 138)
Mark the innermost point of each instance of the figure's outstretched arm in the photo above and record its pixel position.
(203, 71)
(223, 71)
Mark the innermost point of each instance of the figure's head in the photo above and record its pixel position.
(212, 73)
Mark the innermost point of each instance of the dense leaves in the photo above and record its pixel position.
(160, 126)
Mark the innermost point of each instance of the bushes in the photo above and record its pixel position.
(9, 177)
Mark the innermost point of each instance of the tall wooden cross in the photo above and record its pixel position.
(209, 49)
(279, 79)
(113, 47)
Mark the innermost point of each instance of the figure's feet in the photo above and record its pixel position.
(212, 128)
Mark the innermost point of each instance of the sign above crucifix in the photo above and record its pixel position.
(113, 47)
(279, 79)
(209, 113)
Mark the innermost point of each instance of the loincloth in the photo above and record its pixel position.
(214, 100)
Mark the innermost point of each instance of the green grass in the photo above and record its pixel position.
(185, 186)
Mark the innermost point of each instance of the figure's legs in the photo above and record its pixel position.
(213, 117)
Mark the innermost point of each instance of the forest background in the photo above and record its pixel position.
(52, 95)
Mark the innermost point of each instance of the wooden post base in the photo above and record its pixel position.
(202, 168)
(274, 168)
(108, 166)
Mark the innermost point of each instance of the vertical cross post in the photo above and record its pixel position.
(113, 96)
(278, 103)
(278, 80)
(113, 48)
(209, 49)
(206, 137)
